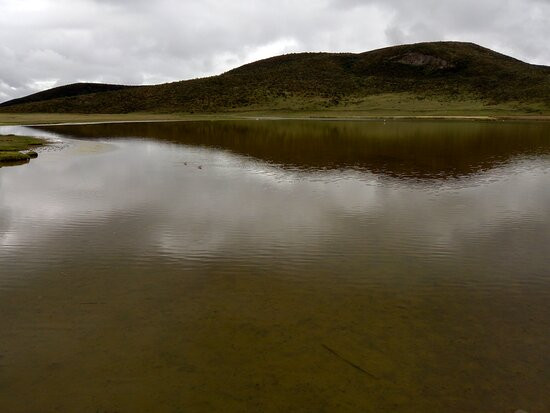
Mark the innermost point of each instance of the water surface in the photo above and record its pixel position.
(277, 266)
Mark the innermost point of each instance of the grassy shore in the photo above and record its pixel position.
(51, 118)
(381, 106)
(18, 149)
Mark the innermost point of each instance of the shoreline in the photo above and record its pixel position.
(36, 119)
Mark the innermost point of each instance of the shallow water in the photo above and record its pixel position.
(277, 266)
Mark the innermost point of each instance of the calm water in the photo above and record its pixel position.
(277, 266)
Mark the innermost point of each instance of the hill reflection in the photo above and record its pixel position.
(403, 149)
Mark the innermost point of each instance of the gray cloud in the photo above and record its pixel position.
(46, 43)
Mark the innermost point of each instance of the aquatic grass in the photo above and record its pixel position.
(19, 143)
(17, 149)
(6, 156)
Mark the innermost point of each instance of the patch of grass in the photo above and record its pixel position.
(19, 143)
(12, 145)
(8, 157)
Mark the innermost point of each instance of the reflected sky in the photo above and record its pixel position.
(248, 266)
(141, 200)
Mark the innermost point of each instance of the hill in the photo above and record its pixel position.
(421, 76)
(75, 89)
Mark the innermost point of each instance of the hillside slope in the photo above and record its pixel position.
(441, 71)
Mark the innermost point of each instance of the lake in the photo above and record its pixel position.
(274, 265)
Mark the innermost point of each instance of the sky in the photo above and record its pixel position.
(48, 43)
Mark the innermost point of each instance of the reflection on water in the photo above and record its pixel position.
(310, 266)
(403, 149)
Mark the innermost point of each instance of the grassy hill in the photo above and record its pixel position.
(75, 89)
(423, 77)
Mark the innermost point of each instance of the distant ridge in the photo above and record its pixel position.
(431, 73)
(75, 89)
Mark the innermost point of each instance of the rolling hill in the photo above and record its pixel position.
(75, 89)
(420, 76)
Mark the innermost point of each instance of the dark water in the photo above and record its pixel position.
(277, 266)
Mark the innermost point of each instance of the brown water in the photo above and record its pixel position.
(306, 266)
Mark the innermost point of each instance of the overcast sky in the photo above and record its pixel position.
(46, 43)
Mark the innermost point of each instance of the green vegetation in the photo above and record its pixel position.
(469, 113)
(47, 118)
(11, 148)
(12, 157)
(419, 79)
